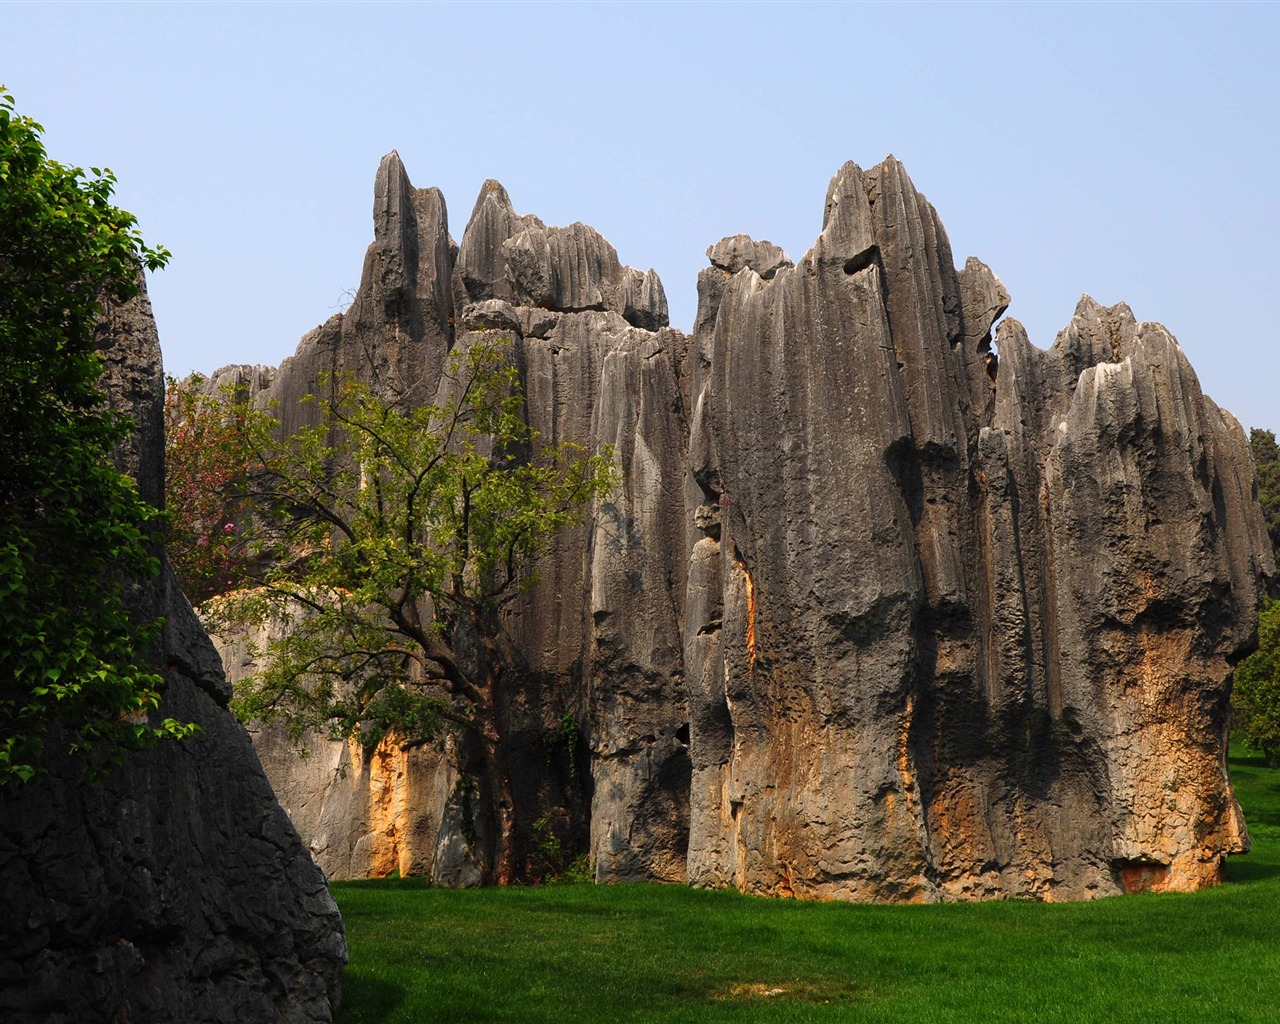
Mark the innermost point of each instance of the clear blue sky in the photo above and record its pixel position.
(1130, 152)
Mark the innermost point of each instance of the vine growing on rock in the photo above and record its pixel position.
(73, 530)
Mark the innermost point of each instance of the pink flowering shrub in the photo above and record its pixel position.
(205, 478)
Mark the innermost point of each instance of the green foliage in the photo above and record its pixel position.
(1255, 698)
(548, 851)
(551, 863)
(391, 534)
(1256, 695)
(206, 474)
(72, 528)
(390, 539)
(1266, 457)
(562, 738)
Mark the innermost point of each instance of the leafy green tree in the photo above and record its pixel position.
(394, 538)
(72, 528)
(1255, 698)
(1266, 457)
(1256, 694)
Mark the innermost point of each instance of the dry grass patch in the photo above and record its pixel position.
(814, 991)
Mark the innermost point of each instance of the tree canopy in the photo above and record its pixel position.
(1256, 693)
(1255, 696)
(392, 538)
(1266, 457)
(72, 528)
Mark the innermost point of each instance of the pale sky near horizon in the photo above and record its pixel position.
(1126, 151)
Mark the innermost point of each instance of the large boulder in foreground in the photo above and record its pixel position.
(176, 889)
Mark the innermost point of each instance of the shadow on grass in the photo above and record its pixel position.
(1257, 788)
(390, 882)
(1242, 871)
(367, 999)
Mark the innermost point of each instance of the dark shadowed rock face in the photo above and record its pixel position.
(874, 614)
(176, 890)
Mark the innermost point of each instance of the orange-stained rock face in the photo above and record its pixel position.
(366, 813)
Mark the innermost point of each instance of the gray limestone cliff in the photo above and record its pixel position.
(595, 725)
(889, 603)
(176, 889)
(958, 626)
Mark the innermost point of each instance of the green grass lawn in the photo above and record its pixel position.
(666, 953)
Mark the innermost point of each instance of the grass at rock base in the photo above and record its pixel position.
(633, 953)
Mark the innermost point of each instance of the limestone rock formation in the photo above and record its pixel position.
(951, 636)
(365, 813)
(517, 258)
(595, 727)
(890, 604)
(177, 889)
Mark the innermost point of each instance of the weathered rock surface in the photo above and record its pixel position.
(950, 636)
(366, 813)
(876, 612)
(504, 255)
(595, 727)
(177, 889)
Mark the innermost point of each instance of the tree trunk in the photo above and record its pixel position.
(497, 782)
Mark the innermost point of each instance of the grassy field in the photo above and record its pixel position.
(666, 953)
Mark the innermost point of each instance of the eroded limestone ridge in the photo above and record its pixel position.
(874, 614)
(598, 644)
